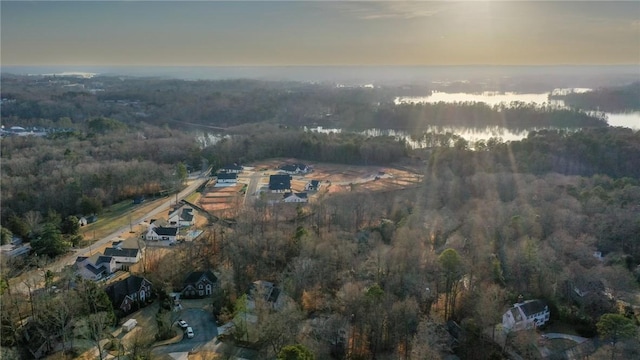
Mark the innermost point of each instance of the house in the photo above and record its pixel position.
(138, 199)
(162, 233)
(127, 293)
(265, 291)
(181, 217)
(199, 284)
(15, 248)
(295, 197)
(232, 169)
(525, 315)
(82, 221)
(96, 267)
(313, 185)
(123, 255)
(591, 295)
(293, 169)
(225, 179)
(280, 183)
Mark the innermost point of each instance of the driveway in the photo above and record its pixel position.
(204, 329)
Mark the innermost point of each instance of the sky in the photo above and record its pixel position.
(277, 33)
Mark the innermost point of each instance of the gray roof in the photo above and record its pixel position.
(94, 269)
(121, 252)
(119, 290)
(186, 215)
(227, 176)
(279, 182)
(531, 307)
(300, 195)
(167, 231)
(195, 276)
(103, 259)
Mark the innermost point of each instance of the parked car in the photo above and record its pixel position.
(183, 324)
(190, 333)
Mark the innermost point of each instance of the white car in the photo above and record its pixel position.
(183, 324)
(190, 333)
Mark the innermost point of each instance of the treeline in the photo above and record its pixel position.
(612, 99)
(517, 116)
(80, 173)
(180, 104)
(265, 142)
(614, 152)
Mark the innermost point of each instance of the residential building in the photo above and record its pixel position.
(129, 294)
(280, 183)
(266, 291)
(525, 315)
(96, 267)
(293, 169)
(181, 217)
(199, 284)
(313, 185)
(295, 197)
(123, 256)
(161, 233)
(232, 169)
(224, 179)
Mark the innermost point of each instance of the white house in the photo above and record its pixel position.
(157, 233)
(182, 217)
(313, 185)
(293, 169)
(225, 179)
(124, 255)
(232, 169)
(525, 315)
(95, 267)
(295, 198)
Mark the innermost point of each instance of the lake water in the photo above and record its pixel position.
(629, 119)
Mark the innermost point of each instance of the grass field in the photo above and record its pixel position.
(117, 216)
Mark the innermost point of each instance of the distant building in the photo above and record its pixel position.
(226, 179)
(293, 169)
(231, 169)
(313, 185)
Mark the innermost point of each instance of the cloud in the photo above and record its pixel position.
(374, 10)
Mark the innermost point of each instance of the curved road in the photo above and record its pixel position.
(36, 276)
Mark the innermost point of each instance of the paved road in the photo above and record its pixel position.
(254, 181)
(204, 329)
(36, 276)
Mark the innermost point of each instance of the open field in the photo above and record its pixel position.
(222, 199)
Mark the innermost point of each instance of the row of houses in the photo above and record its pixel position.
(160, 230)
(133, 292)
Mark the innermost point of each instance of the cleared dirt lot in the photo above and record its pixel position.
(338, 177)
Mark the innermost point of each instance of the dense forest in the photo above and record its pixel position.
(186, 104)
(370, 275)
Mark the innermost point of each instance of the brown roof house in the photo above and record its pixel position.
(199, 284)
